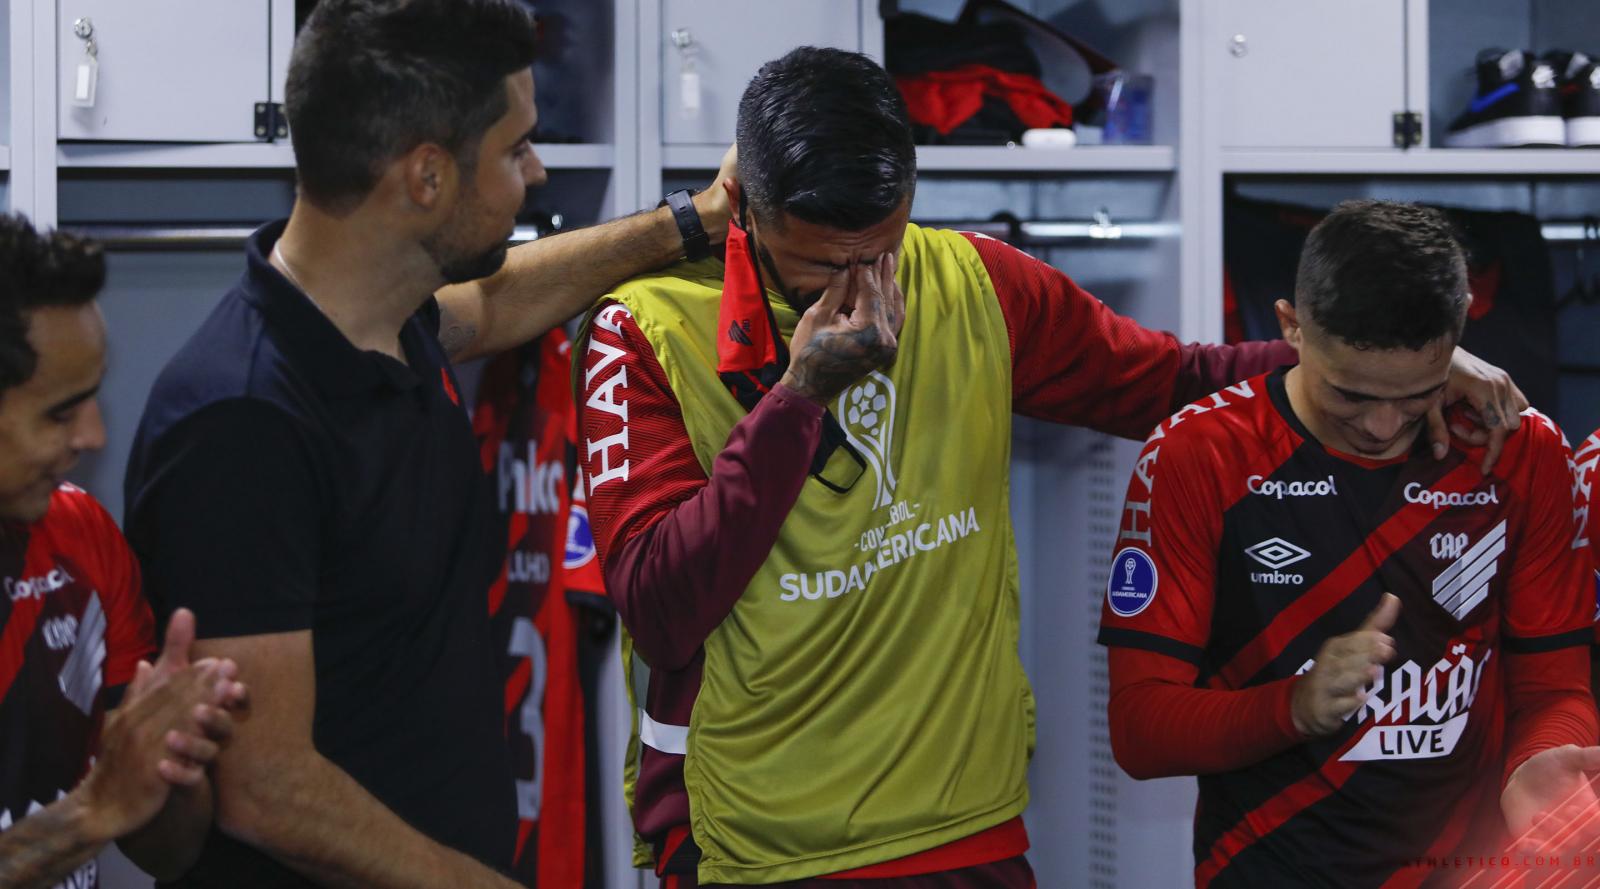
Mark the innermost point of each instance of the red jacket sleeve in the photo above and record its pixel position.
(677, 548)
(1549, 616)
(1549, 703)
(1075, 361)
(1154, 702)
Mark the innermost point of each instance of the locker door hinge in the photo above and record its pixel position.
(271, 124)
(1407, 129)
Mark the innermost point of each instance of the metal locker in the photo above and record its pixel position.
(1311, 74)
(711, 49)
(162, 70)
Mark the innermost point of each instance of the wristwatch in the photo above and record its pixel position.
(696, 243)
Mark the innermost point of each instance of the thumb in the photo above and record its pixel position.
(142, 674)
(1580, 759)
(180, 637)
(1383, 617)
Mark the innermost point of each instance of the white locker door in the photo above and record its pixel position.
(730, 41)
(1307, 74)
(169, 70)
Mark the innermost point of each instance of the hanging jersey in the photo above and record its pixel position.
(1245, 544)
(73, 626)
(526, 428)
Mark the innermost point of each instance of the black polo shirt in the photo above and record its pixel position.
(284, 480)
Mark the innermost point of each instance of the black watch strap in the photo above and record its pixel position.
(696, 243)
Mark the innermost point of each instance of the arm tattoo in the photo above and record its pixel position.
(455, 336)
(46, 847)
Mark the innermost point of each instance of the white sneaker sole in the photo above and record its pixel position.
(1509, 132)
(1583, 132)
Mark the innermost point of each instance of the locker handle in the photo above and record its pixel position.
(86, 76)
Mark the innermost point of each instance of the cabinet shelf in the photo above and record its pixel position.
(266, 156)
(1084, 158)
(692, 157)
(158, 155)
(586, 156)
(1517, 162)
(982, 158)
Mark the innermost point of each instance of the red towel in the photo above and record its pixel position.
(945, 100)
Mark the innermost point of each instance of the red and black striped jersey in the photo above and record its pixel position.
(1245, 544)
(73, 626)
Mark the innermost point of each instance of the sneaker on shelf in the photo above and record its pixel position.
(1578, 77)
(1517, 104)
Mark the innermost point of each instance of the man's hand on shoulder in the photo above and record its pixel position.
(852, 330)
(1494, 405)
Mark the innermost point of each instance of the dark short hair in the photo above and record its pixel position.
(372, 79)
(39, 271)
(824, 136)
(1384, 275)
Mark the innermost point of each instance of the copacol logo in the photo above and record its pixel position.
(1132, 585)
(867, 409)
(1416, 493)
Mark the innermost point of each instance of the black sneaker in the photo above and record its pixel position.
(1517, 104)
(1579, 79)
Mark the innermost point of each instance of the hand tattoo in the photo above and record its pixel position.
(832, 360)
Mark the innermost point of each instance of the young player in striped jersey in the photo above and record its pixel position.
(1364, 649)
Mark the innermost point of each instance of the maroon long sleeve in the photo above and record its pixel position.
(677, 548)
(1205, 368)
(1075, 361)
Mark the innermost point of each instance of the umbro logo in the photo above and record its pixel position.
(1277, 553)
(740, 333)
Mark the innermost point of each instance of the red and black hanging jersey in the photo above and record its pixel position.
(73, 626)
(526, 427)
(1245, 544)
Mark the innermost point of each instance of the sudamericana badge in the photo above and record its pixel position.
(1132, 585)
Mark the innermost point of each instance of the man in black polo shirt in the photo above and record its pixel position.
(305, 477)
